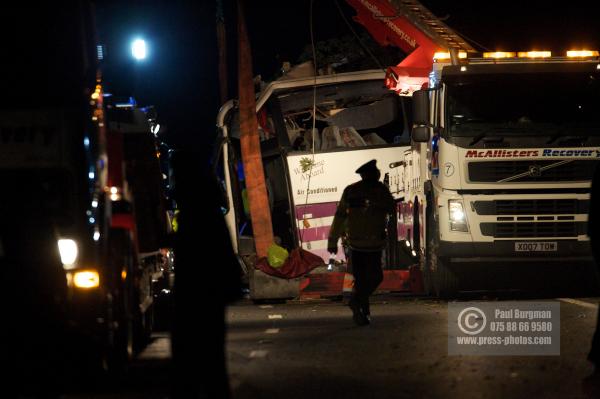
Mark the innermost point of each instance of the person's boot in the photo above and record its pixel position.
(591, 384)
(357, 314)
(366, 311)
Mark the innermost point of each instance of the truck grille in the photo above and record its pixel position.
(533, 230)
(494, 171)
(532, 207)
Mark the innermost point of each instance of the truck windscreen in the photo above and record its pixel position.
(524, 104)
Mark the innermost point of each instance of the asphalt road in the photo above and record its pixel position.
(312, 349)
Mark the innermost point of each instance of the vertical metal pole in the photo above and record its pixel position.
(250, 142)
(222, 49)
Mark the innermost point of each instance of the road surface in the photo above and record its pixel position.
(312, 349)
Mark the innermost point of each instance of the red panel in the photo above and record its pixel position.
(122, 221)
(115, 159)
(323, 284)
(395, 280)
(331, 284)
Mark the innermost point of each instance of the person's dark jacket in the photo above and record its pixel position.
(361, 216)
(593, 222)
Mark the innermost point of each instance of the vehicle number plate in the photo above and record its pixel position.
(533, 246)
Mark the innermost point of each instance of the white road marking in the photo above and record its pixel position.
(272, 331)
(258, 354)
(275, 316)
(159, 349)
(266, 306)
(579, 303)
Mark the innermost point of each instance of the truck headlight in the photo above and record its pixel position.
(457, 216)
(68, 252)
(85, 279)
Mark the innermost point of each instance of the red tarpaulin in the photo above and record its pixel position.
(299, 263)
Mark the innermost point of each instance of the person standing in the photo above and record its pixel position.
(361, 218)
(593, 233)
(591, 383)
(203, 286)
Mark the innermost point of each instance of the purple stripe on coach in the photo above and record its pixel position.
(323, 210)
(314, 233)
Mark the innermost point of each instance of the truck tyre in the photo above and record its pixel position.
(443, 280)
(143, 326)
(427, 278)
(426, 265)
(120, 349)
(423, 264)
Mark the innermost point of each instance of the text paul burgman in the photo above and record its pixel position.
(522, 314)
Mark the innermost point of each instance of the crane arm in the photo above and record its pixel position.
(408, 25)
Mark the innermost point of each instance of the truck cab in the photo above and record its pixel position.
(506, 146)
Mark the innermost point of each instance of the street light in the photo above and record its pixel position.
(138, 49)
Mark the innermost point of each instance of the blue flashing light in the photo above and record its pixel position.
(435, 142)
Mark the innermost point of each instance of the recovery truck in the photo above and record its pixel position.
(503, 150)
(82, 218)
(503, 147)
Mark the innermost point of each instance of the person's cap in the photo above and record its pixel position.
(368, 167)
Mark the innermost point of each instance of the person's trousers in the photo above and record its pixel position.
(366, 268)
(594, 355)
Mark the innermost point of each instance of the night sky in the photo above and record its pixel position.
(180, 75)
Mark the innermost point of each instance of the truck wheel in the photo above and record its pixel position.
(426, 263)
(422, 261)
(143, 324)
(119, 354)
(427, 276)
(121, 350)
(444, 282)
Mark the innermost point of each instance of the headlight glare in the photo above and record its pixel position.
(86, 279)
(68, 252)
(457, 216)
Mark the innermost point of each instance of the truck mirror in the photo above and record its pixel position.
(421, 134)
(420, 108)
